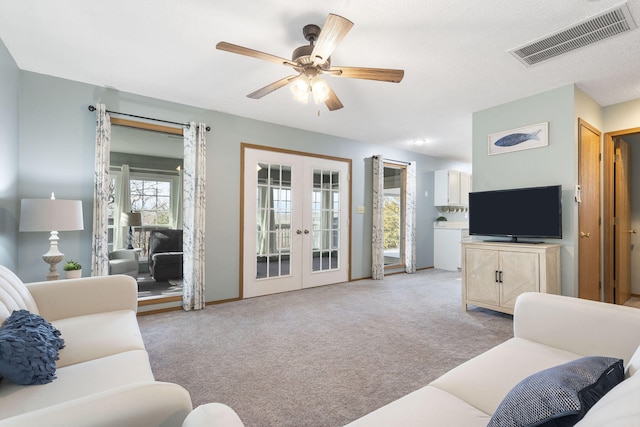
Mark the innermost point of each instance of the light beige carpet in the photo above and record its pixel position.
(323, 356)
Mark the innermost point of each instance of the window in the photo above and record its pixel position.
(151, 197)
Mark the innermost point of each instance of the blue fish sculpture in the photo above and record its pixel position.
(516, 138)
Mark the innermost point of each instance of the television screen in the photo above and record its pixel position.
(522, 212)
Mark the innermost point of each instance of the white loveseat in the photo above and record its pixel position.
(549, 330)
(103, 375)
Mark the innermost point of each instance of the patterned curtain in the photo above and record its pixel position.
(410, 220)
(377, 233)
(193, 216)
(122, 204)
(100, 243)
(176, 203)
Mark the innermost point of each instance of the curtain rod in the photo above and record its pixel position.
(166, 171)
(384, 159)
(92, 109)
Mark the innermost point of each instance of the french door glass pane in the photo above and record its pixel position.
(325, 218)
(273, 220)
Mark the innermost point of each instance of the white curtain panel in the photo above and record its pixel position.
(176, 202)
(377, 233)
(122, 204)
(410, 220)
(193, 216)
(100, 243)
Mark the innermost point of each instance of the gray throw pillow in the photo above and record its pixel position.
(559, 396)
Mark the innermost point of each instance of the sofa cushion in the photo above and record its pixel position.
(28, 349)
(426, 406)
(498, 370)
(618, 408)
(559, 396)
(633, 365)
(97, 335)
(14, 295)
(75, 381)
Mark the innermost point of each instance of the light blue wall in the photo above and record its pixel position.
(551, 165)
(9, 84)
(57, 135)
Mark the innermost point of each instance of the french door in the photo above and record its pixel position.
(295, 222)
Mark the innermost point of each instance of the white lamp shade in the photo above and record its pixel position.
(51, 215)
(130, 219)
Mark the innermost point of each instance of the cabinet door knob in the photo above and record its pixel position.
(583, 234)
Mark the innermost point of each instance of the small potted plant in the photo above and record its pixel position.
(441, 219)
(72, 269)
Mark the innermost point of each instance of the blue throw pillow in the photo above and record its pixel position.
(29, 348)
(559, 396)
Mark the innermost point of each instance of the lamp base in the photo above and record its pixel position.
(53, 257)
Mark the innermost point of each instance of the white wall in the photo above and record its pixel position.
(9, 84)
(57, 135)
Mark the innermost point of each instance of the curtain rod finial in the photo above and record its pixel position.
(92, 108)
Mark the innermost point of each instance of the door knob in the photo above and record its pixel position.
(633, 231)
(306, 231)
(298, 231)
(583, 234)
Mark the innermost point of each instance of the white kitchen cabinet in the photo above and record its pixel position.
(451, 188)
(447, 249)
(495, 273)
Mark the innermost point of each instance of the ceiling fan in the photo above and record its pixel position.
(314, 59)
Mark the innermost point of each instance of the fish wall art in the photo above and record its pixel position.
(524, 138)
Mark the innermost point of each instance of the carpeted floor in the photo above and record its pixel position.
(323, 356)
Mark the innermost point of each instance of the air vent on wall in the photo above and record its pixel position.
(598, 27)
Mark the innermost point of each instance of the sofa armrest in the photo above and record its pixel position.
(61, 299)
(577, 325)
(151, 404)
(213, 415)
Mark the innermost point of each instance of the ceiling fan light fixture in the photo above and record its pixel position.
(319, 89)
(300, 89)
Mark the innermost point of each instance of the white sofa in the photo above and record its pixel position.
(549, 330)
(103, 375)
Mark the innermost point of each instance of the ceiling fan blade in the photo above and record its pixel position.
(271, 87)
(240, 50)
(332, 102)
(334, 30)
(380, 74)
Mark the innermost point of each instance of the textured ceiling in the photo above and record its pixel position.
(454, 53)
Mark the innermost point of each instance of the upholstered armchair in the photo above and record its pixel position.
(124, 261)
(165, 254)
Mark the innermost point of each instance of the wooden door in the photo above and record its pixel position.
(589, 285)
(622, 223)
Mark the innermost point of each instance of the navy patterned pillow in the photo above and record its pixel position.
(559, 396)
(29, 348)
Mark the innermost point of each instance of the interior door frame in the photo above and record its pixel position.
(608, 233)
(244, 146)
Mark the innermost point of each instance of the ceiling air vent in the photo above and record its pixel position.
(593, 29)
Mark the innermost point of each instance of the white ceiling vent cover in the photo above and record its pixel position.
(606, 24)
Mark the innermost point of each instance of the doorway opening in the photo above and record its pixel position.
(393, 213)
(621, 215)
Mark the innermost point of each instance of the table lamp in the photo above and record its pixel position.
(51, 215)
(130, 219)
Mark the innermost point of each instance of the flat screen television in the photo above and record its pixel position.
(534, 212)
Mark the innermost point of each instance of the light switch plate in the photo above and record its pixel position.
(360, 209)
